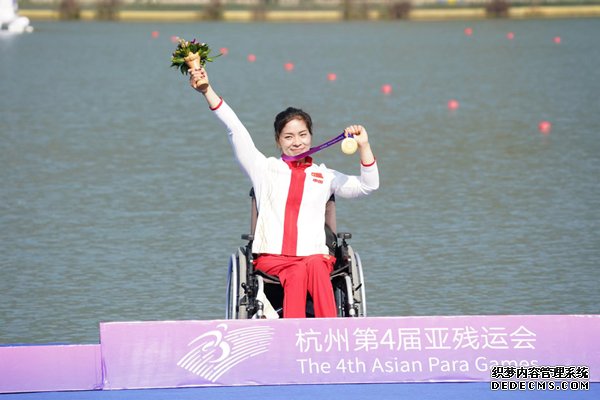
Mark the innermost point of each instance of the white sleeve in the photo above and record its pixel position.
(246, 153)
(348, 186)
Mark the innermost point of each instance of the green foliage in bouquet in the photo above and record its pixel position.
(185, 49)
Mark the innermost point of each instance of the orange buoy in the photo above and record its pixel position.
(251, 57)
(155, 34)
(288, 66)
(331, 76)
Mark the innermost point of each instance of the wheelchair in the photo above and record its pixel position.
(254, 294)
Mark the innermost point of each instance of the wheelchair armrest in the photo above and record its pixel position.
(344, 235)
(248, 236)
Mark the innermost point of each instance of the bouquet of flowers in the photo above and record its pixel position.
(190, 55)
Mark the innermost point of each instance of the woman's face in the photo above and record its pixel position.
(294, 138)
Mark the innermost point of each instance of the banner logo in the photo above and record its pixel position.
(216, 352)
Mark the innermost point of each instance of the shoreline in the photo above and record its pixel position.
(417, 14)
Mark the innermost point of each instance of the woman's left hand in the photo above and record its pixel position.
(362, 139)
(360, 134)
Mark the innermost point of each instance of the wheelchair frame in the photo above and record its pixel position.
(245, 285)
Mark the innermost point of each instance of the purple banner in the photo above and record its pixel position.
(344, 350)
(50, 368)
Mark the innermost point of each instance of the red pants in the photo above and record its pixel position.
(301, 275)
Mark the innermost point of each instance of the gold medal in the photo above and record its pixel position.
(349, 145)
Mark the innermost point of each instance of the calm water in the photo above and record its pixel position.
(120, 199)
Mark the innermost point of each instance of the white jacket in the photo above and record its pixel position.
(291, 198)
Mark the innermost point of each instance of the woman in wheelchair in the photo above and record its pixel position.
(289, 239)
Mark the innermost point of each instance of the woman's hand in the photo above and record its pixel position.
(362, 139)
(199, 80)
(360, 134)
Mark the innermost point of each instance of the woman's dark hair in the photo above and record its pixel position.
(286, 116)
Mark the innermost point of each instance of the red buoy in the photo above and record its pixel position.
(251, 57)
(288, 66)
(510, 35)
(224, 50)
(155, 34)
(386, 89)
(468, 31)
(545, 127)
(557, 39)
(331, 76)
(453, 104)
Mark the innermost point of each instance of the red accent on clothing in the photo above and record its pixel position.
(299, 276)
(217, 106)
(292, 207)
(369, 165)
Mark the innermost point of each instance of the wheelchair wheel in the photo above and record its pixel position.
(348, 287)
(236, 280)
(232, 293)
(358, 286)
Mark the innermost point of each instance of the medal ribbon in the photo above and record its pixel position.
(312, 150)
